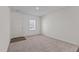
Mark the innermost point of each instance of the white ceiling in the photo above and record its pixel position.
(43, 10)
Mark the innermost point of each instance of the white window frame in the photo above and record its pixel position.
(32, 24)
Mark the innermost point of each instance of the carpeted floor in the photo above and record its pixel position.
(40, 43)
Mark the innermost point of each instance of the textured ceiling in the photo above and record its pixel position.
(43, 10)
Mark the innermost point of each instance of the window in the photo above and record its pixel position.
(32, 24)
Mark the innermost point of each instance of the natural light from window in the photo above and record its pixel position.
(32, 24)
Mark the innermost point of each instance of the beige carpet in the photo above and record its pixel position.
(40, 43)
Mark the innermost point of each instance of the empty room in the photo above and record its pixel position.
(40, 29)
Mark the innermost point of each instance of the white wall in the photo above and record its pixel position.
(19, 24)
(62, 25)
(4, 28)
(17, 21)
